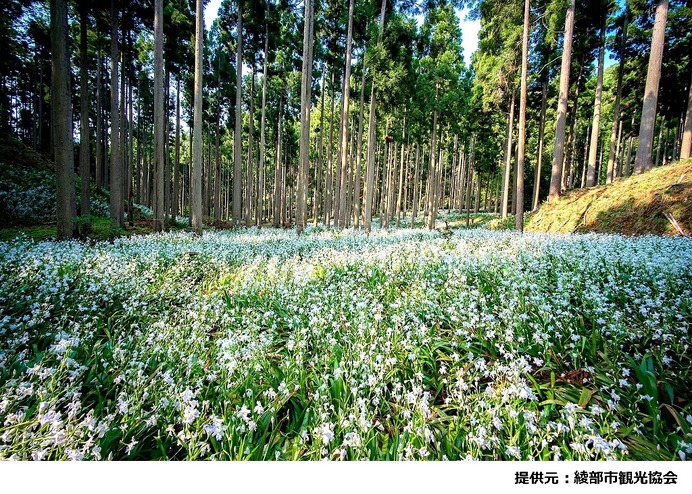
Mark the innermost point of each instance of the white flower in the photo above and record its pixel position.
(513, 451)
(325, 432)
(128, 447)
(39, 455)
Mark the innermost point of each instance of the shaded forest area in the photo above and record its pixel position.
(344, 114)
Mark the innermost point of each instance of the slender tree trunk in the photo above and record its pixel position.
(642, 160)
(539, 158)
(416, 181)
(159, 95)
(591, 178)
(628, 160)
(558, 155)
(469, 181)
(250, 152)
(84, 139)
(329, 179)
(305, 88)
(586, 157)
(262, 151)
(343, 133)
(62, 119)
(659, 146)
(508, 162)
(614, 137)
(359, 152)
(276, 214)
(522, 121)
(116, 177)
(685, 147)
(123, 122)
(130, 155)
(319, 192)
(99, 125)
(237, 144)
(370, 162)
(176, 164)
(196, 183)
(433, 174)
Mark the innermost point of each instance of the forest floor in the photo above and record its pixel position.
(650, 203)
(404, 344)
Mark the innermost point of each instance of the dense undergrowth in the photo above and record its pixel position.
(402, 345)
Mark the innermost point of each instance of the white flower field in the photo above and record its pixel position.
(261, 344)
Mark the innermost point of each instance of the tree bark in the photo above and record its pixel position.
(433, 173)
(305, 89)
(99, 126)
(196, 183)
(614, 137)
(370, 162)
(116, 180)
(539, 158)
(262, 152)
(159, 95)
(642, 160)
(237, 136)
(62, 119)
(250, 151)
(343, 133)
(519, 223)
(276, 214)
(176, 164)
(591, 178)
(558, 155)
(359, 152)
(84, 139)
(508, 161)
(687, 132)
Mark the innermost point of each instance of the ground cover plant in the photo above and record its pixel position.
(407, 344)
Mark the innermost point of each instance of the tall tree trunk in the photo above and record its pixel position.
(196, 183)
(522, 121)
(558, 155)
(123, 121)
(685, 147)
(508, 162)
(305, 89)
(116, 168)
(159, 95)
(591, 178)
(642, 160)
(614, 138)
(659, 145)
(416, 180)
(62, 119)
(99, 126)
(539, 158)
(370, 161)
(328, 170)
(130, 154)
(356, 195)
(343, 133)
(237, 137)
(176, 164)
(469, 181)
(276, 214)
(84, 139)
(250, 152)
(320, 192)
(433, 169)
(262, 152)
